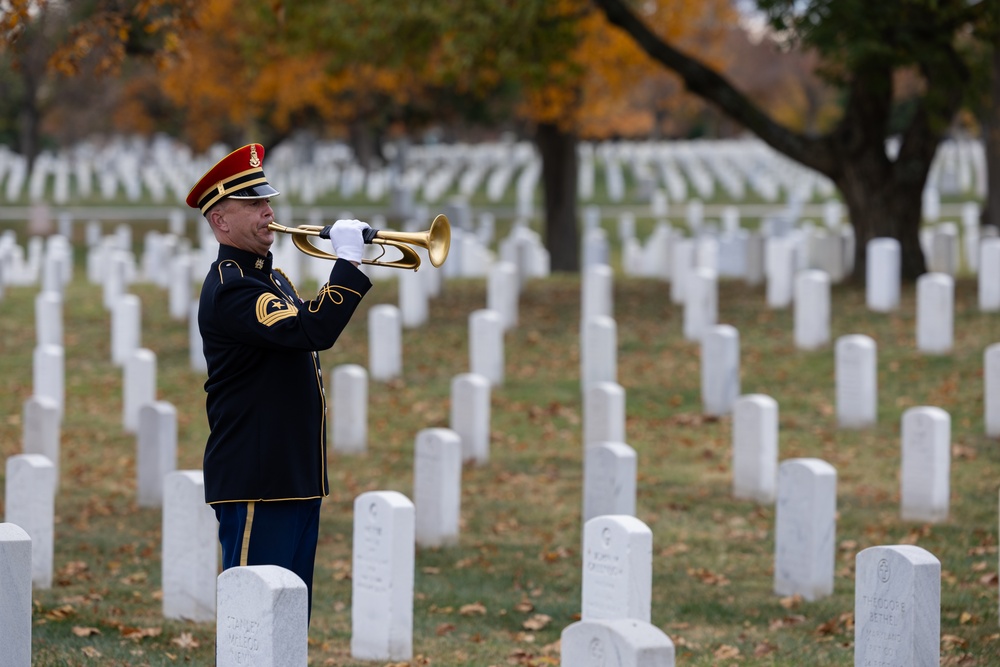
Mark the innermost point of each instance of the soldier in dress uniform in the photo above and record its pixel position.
(265, 460)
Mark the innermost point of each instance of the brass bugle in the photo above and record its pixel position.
(437, 241)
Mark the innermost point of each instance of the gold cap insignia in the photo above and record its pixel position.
(254, 160)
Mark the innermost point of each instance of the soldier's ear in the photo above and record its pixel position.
(217, 219)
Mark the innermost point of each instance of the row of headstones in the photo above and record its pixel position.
(856, 391)
(161, 165)
(604, 406)
(926, 447)
(155, 421)
(607, 478)
(431, 172)
(757, 256)
(169, 259)
(261, 611)
(385, 522)
(856, 369)
(486, 355)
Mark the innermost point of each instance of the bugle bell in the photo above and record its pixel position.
(437, 241)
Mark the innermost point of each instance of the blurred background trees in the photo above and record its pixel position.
(829, 83)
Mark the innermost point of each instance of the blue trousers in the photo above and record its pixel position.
(279, 532)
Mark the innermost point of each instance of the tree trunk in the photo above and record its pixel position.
(878, 208)
(29, 118)
(883, 196)
(991, 141)
(559, 173)
(364, 143)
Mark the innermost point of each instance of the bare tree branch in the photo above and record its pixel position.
(705, 82)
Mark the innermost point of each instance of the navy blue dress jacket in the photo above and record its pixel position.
(266, 405)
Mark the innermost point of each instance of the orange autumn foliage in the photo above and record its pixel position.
(227, 79)
(615, 90)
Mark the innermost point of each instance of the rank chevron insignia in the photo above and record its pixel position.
(271, 309)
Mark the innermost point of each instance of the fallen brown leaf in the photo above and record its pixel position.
(537, 622)
(60, 613)
(791, 601)
(136, 578)
(81, 631)
(139, 633)
(186, 640)
(474, 609)
(786, 622)
(443, 629)
(726, 652)
(524, 606)
(708, 577)
(764, 648)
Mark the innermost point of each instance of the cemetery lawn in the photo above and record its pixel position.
(504, 594)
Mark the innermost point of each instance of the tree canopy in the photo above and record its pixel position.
(219, 70)
(863, 47)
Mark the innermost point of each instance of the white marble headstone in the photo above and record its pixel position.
(42, 430)
(935, 313)
(603, 413)
(470, 415)
(617, 568)
(812, 309)
(926, 464)
(262, 617)
(414, 306)
(49, 318)
(597, 297)
(385, 343)
(701, 303)
(49, 375)
(599, 351)
(609, 480)
(805, 528)
(991, 389)
(190, 559)
(615, 643)
(989, 275)
(682, 255)
(437, 487)
(720, 369)
(502, 293)
(382, 577)
(15, 595)
(755, 448)
(897, 607)
(856, 381)
(29, 499)
(754, 274)
(349, 409)
(486, 345)
(138, 386)
(882, 274)
(180, 289)
(779, 270)
(196, 349)
(126, 328)
(156, 451)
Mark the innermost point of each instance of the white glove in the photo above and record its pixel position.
(346, 239)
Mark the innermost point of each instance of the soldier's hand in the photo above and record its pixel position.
(347, 240)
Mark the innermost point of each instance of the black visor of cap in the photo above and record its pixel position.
(259, 191)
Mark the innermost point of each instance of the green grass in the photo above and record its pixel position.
(519, 552)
